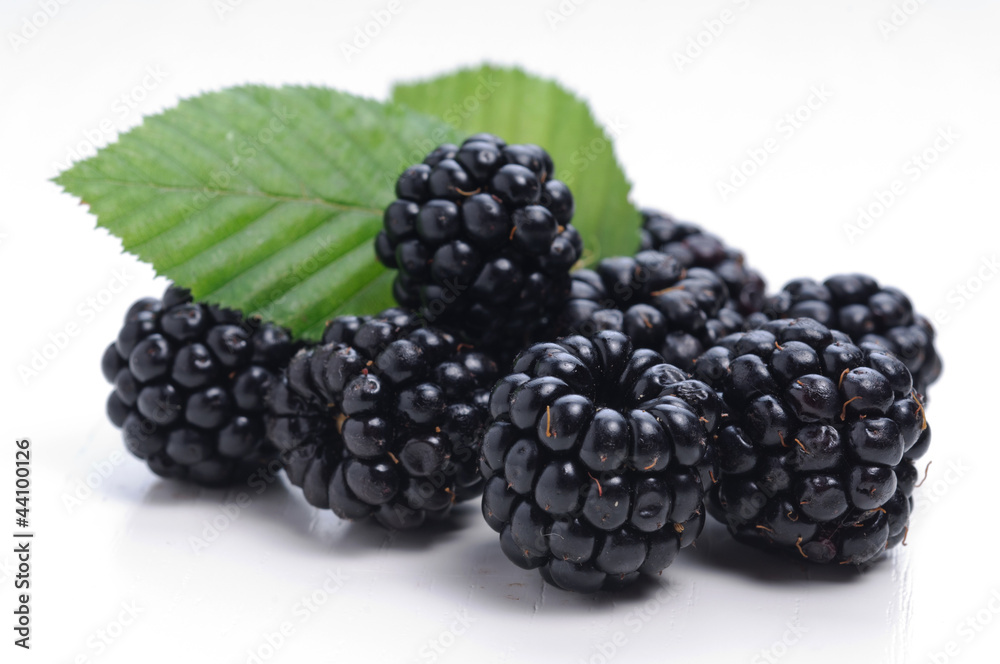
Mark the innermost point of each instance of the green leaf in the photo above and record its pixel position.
(523, 108)
(262, 199)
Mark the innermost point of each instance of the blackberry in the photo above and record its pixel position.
(382, 419)
(482, 239)
(874, 316)
(190, 381)
(596, 461)
(818, 441)
(660, 304)
(693, 247)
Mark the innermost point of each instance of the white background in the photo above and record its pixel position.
(684, 128)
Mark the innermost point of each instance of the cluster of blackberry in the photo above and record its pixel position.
(679, 312)
(382, 419)
(682, 292)
(602, 413)
(596, 461)
(816, 455)
(875, 317)
(693, 247)
(482, 241)
(190, 383)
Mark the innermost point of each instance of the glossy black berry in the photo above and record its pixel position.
(382, 419)
(816, 453)
(596, 461)
(189, 392)
(691, 246)
(876, 318)
(480, 159)
(656, 301)
(482, 239)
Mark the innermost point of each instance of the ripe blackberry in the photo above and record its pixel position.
(875, 317)
(481, 236)
(596, 460)
(657, 302)
(817, 444)
(190, 381)
(693, 247)
(382, 419)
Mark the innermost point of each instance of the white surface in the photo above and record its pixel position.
(130, 540)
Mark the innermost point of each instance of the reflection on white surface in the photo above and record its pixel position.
(278, 576)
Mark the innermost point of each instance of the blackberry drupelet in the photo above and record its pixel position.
(596, 461)
(874, 316)
(482, 239)
(660, 304)
(190, 381)
(693, 247)
(382, 419)
(817, 444)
